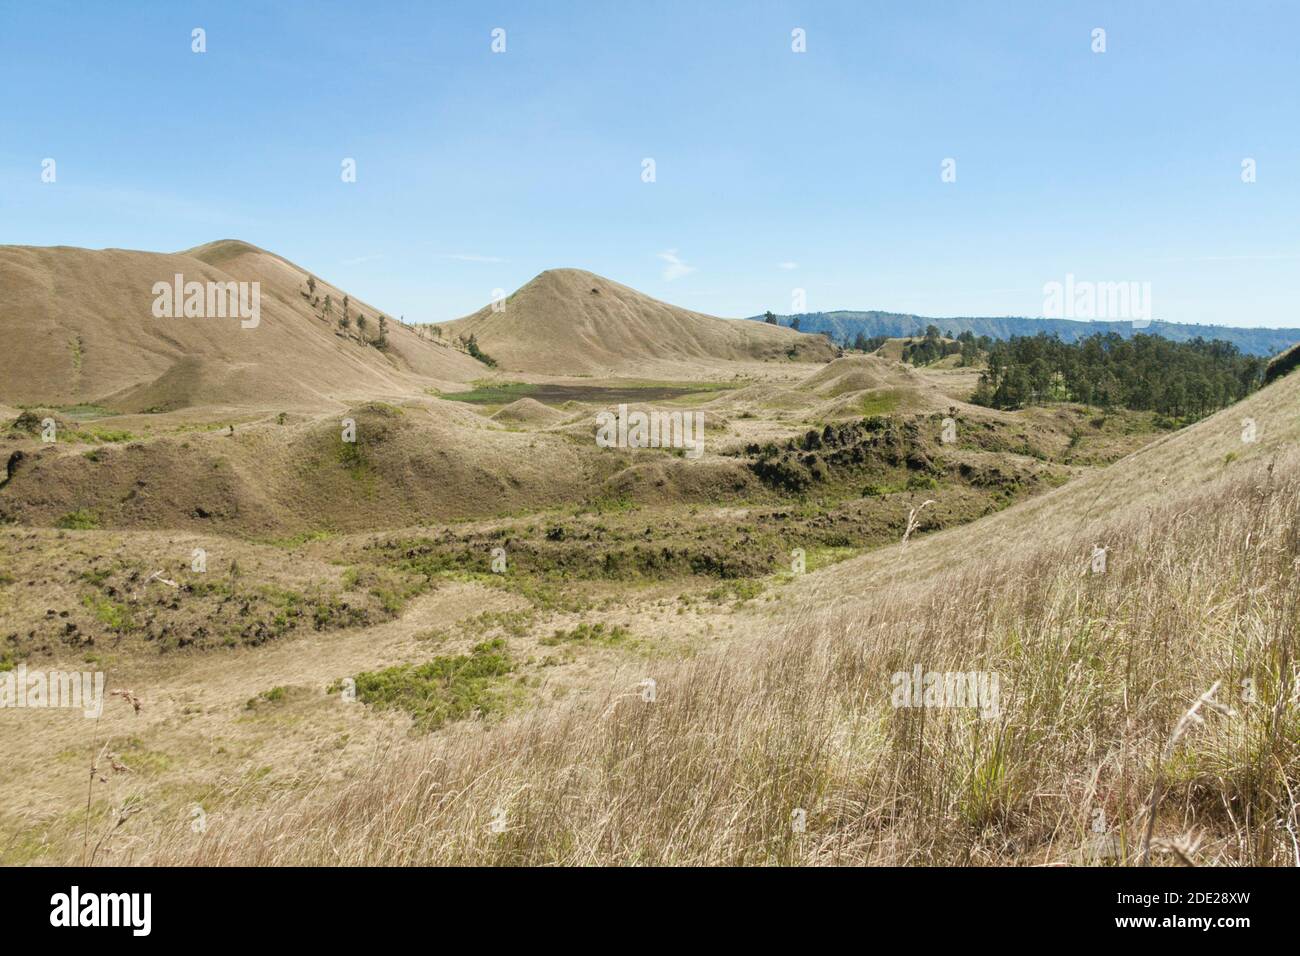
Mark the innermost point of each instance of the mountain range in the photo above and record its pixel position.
(843, 326)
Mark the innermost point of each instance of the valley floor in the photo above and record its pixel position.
(655, 676)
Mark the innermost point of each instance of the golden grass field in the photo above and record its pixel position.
(651, 681)
(1098, 670)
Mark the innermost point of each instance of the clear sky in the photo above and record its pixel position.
(775, 170)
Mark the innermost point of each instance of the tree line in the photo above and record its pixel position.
(1146, 373)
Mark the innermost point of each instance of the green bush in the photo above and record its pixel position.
(444, 689)
(588, 634)
(471, 346)
(79, 520)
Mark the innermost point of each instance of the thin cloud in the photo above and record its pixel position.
(1262, 257)
(787, 266)
(360, 259)
(676, 268)
(1259, 258)
(470, 257)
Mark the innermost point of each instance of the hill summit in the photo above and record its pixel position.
(568, 321)
(105, 327)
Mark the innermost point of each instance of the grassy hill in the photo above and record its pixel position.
(80, 329)
(571, 322)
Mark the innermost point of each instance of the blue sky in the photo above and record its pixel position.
(775, 170)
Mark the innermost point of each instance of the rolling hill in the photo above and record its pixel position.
(571, 322)
(80, 329)
(1096, 673)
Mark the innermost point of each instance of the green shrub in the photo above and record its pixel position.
(273, 696)
(444, 689)
(588, 634)
(114, 616)
(79, 520)
(471, 346)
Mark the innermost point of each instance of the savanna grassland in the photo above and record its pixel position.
(472, 635)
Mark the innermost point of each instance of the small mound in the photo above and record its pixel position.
(672, 480)
(852, 374)
(528, 411)
(193, 381)
(31, 423)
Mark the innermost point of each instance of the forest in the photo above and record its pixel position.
(1185, 380)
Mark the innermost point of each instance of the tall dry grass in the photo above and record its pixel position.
(1096, 672)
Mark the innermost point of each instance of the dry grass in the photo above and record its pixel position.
(572, 322)
(1096, 674)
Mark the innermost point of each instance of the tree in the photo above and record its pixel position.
(769, 318)
(361, 325)
(794, 323)
(970, 349)
(1145, 372)
(471, 346)
(311, 285)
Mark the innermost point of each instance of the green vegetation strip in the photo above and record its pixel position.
(503, 393)
(444, 689)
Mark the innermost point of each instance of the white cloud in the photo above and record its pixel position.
(360, 259)
(675, 268)
(787, 266)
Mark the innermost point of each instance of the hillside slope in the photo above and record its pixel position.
(1086, 681)
(567, 321)
(80, 328)
(1182, 462)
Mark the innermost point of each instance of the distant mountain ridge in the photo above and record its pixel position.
(843, 327)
